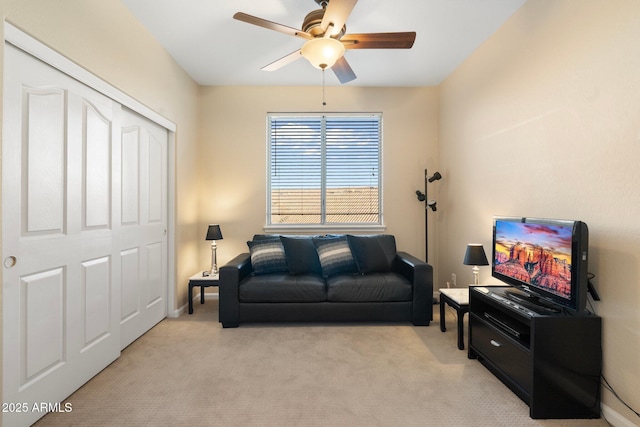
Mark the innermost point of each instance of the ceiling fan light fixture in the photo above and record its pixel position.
(323, 52)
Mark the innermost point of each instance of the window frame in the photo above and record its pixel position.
(324, 227)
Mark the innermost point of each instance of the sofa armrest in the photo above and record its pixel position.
(420, 274)
(231, 274)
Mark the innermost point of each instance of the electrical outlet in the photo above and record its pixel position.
(453, 279)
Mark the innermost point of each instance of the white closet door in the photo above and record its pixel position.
(60, 201)
(84, 233)
(143, 170)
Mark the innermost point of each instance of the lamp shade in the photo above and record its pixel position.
(475, 255)
(214, 233)
(322, 52)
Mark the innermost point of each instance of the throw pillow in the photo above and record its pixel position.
(335, 256)
(301, 255)
(369, 254)
(267, 256)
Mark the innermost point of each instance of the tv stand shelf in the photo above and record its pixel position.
(551, 361)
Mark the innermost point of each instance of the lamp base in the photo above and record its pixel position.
(476, 275)
(214, 265)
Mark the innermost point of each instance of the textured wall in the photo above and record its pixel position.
(544, 120)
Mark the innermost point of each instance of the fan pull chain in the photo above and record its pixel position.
(324, 103)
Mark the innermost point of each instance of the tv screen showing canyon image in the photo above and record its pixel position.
(535, 254)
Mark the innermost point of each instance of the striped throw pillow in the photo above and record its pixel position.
(335, 256)
(267, 256)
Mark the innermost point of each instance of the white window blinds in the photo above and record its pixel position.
(324, 169)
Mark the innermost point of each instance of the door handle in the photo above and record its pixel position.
(495, 343)
(10, 261)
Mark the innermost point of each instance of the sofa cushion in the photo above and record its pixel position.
(301, 254)
(373, 254)
(282, 288)
(267, 256)
(335, 256)
(373, 287)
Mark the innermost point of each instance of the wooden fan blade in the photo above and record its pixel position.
(337, 13)
(283, 61)
(379, 40)
(271, 25)
(343, 71)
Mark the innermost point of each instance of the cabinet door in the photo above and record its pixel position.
(504, 353)
(567, 363)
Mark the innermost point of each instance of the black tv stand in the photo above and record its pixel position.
(551, 361)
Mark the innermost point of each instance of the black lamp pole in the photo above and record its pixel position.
(426, 219)
(428, 204)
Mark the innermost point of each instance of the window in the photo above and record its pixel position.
(324, 169)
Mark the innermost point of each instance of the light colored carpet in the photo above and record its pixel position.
(190, 371)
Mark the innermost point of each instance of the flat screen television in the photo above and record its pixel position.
(545, 259)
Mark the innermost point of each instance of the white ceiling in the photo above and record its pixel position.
(216, 49)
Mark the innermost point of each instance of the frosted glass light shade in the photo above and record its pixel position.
(322, 52)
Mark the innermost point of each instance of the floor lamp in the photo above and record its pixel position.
(428, 204)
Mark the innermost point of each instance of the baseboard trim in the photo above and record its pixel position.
(196, 300)
(176, 313)
(615, 418)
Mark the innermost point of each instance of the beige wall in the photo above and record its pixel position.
(233, 153)
(544, 120)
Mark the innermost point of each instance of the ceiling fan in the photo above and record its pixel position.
(325, 32)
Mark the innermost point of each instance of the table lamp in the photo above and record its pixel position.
(475, 256)
(213, 234)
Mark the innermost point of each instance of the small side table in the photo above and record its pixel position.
(458, 298)
(203, 282)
